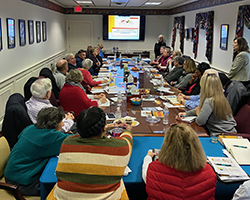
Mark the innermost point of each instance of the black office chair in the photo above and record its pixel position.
(15, 119)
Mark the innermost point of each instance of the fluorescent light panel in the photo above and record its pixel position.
(152, 3)
(84, 2)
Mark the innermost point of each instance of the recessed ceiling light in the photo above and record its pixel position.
(84, 2)
(152, 3)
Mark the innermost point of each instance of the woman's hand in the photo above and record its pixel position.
(103, 99)
(129, 127)
(151, 154)
(69, 116)
(180, 98)
(105, 81)
(180, 115)
(197, 110)
(109, 126)
(99, 96)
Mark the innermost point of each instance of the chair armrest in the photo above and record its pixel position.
(13, 189)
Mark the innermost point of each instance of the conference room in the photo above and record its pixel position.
(59, 30)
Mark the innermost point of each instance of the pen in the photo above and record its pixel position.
(227, 165)
(235, 145)
(182, 116)
(152, 113)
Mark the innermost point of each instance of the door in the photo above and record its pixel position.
(79, 35)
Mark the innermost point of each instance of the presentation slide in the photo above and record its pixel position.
(123, 27)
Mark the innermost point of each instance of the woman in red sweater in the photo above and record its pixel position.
(181, 171)
(72, 96)
(87, 78)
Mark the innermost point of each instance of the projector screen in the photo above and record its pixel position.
(117, 27)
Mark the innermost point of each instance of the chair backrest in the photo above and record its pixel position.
(4, 154)
(27, 92)
(15, 119)
(47, 73)
(233, 92)
(243, 125)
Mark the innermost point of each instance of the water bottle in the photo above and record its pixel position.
(118, 113)
(119, 98)
(166, 114)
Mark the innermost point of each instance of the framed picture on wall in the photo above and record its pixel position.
(187, 33)
(224, 36)
(191, 33)
(1, 41)
(11, 33)
(38, 31)
(44, 31)
(31, 31)
(22, 36)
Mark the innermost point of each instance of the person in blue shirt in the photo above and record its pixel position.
(81, 55)
(101, 47)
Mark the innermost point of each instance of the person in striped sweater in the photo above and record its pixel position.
(90, 165)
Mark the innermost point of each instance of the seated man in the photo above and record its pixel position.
(175, 74)
(60, 73)
(80, 57)
(71, 61)
(41, 91)
(36, 144)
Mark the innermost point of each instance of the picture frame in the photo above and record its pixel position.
(191, 33)
(44, 31)
(11, 33)
(1, 41)
(38, 31)
(31, 31)
(224, 30)
(22, 32)
(187, 33)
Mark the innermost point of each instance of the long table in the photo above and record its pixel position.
(144, 134)
(140, 148)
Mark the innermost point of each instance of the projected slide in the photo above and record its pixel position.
(123, 27)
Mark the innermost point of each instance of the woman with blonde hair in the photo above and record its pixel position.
(181, 171)
(189, 67)
(214, 111)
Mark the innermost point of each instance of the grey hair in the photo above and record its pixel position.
(179, 59)
(161, 36)
(67, 56)
(40, 87)
(211, 71)
(87, 63)
(74, 75)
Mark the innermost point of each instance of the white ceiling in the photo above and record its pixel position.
(123, 4)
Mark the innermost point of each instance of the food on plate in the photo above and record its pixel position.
(135, 69)
(143, 91)
(134, 123)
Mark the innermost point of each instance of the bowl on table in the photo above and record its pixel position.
(136, 101)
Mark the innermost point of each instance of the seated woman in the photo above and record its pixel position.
(87, 78)
(156, 61)
(165, 61)
(90, 165)
(181, 171)
(73, 97)
(189, 67)
(214, 111)
(36, 144)
(193, 87)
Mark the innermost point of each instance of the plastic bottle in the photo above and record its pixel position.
(166, 114)
(130, 79)
(119, 98)
(118, 113)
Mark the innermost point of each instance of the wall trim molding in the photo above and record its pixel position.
(100, 11)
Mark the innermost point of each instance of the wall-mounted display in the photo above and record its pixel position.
(224, 36)
(44, 29)
(11, 32)
(31, 31)
(22, 35)
(38, 31)
(1, 41)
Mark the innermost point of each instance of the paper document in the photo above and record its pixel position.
(189, 119)
(227, 169)
(239, 148)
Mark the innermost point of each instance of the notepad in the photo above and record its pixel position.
(188, 119)
(237, 148)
